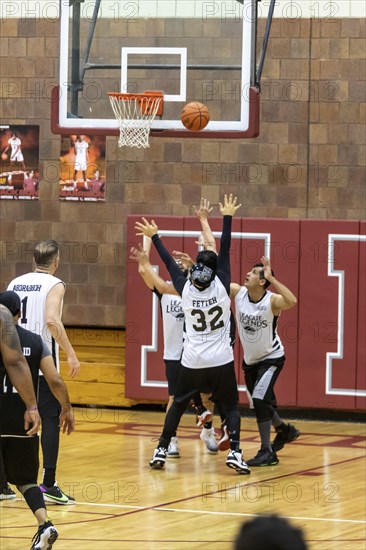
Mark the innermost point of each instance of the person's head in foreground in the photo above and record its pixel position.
(269, 533)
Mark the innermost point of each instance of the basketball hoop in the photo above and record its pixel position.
(135, 114)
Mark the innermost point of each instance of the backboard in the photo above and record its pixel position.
(190, 50)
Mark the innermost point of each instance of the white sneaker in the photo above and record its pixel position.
(173, 449)
(206, 416)
(208, 436)
(45, 537)
(235, 460)
(158, 460)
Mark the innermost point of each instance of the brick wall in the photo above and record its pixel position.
(307, 163)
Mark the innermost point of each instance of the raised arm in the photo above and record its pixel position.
(285, 299)
(17, 369)
(145, 269)
(202, 212)
(228, 210)
(151, 230)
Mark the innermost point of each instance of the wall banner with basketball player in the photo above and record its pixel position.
(19, 162)
(82, 168)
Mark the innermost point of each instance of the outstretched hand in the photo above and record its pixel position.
(138, 254)
(183, 257)
(146, 229)
(267, 269)
(230, 207)
(203, 210)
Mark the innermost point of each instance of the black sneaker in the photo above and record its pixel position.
(45, 537)
(287, 434)
(54, 494)
(264, 457)
(7, 494)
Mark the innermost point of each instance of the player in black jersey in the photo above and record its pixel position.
(15, 442)
(18, 371)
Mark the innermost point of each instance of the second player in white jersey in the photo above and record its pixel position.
(257, 327)
(173, 323)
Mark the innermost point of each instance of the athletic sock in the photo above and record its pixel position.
(49, 477)
(265, 434)
(276, 420)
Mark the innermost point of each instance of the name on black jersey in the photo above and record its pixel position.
(252, 320)
(27, 288)
(204, 303)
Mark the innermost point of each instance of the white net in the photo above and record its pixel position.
(135, 115)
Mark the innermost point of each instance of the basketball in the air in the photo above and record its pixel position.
(195, 116)
(4, 156)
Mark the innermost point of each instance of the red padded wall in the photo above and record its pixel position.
(319, 315)
(361, 324)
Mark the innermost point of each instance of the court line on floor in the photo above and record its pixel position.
(208, 512)
(164, 506)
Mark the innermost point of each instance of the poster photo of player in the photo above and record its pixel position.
(19, 162)
(82, 168)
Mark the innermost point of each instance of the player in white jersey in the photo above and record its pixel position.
(257, 314)
(16, 155)
(207, 242)
(41, 295)
(173, 335)
(206, 305)
(81, 158)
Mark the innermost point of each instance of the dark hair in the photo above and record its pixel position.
(45, 253)
(261, 275)
(11, 300)
(269, 533)
(207, 258)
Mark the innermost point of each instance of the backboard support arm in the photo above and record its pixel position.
(264, 44)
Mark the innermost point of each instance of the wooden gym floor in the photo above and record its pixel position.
(196, 502)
